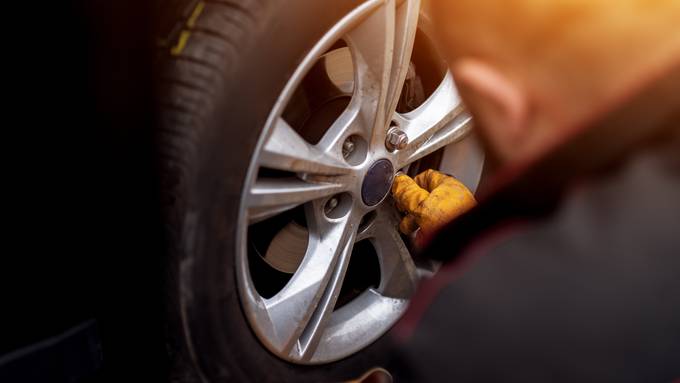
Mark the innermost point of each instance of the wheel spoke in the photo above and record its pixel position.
(312, 335)
(362, 321)
(399, 275)
(286, 150)
(269, 197)
(344, 126)
(301, 309)
(406, 25)
(440, 121)
(372, 46)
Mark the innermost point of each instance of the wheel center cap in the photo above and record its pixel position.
(377, 182)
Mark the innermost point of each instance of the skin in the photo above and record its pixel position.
(532, 71)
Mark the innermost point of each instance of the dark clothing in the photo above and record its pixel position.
(569, 273)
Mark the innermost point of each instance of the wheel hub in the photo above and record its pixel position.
(377, 182)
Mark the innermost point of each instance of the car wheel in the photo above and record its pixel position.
(282, 127)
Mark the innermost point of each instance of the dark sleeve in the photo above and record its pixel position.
(591, 294)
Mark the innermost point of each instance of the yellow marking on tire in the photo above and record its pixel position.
(186, 33)
(181, 43)
(195, 13)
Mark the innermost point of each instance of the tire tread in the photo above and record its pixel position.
(188, 84)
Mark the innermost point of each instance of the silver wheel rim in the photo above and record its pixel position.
(299, 323)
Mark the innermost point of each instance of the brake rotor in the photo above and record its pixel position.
(288, 248)
(338, 67)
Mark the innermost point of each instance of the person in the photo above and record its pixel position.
(568, 267)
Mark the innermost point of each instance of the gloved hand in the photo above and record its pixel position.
(430, 201)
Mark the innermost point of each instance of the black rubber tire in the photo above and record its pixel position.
(215, 96)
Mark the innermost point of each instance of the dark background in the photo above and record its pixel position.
(83, 233)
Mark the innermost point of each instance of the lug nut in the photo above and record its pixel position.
(347, 147)
(331, 204)
(396, 139)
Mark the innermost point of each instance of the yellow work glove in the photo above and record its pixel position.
(430, 201)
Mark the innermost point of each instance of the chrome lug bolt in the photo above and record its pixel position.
(396, 139)
(331, 204)
(348, 147)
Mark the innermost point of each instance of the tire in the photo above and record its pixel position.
(219, 76)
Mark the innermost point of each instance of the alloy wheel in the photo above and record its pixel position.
(340, 185)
